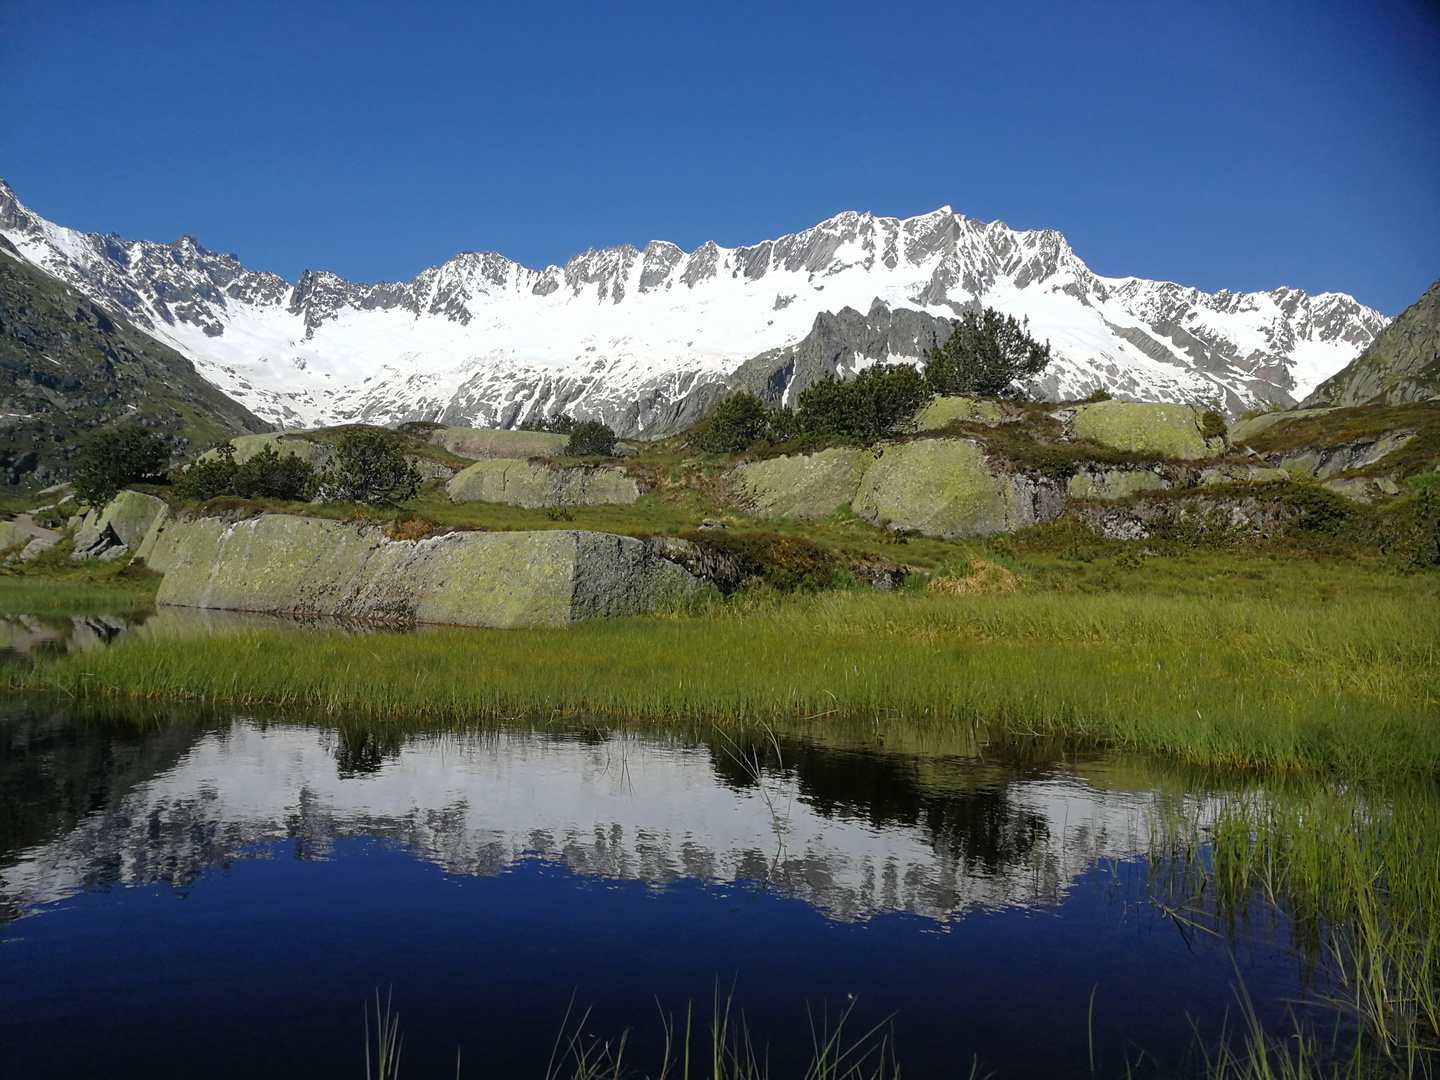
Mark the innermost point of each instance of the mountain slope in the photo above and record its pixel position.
(68, 368)
(1402, 364)
(629, 335)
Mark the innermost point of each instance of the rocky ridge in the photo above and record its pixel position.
(647, 339)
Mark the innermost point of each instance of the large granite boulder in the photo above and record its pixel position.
(944, 487)
(807, 487)
(118, 527)
(535, 484)
(945, 410)
(482, 443)
(1173, 431)
(311, 566)
(13, 535)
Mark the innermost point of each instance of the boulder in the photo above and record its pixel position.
(13, 535)
(808, 487)
(311, 566)
(1229, 474)
(316, 451)
(1171, 431)
(482, 443)
(534, 484)
(944, 410)
(1114, 483)
(943, 487)
(119, 527)
(1243, 430)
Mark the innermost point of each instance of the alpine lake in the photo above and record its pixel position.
(193, 892)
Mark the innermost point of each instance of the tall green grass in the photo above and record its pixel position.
(1356, 876)
(1349, 683)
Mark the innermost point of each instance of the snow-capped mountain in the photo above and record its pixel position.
(627, 335)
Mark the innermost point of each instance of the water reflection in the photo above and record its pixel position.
(853, 834)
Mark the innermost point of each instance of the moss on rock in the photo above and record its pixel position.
(482, 443)
(312, 566)
(940, 487)
(946, 410)
(805, 487)
(1114, 483)
(315, 451)
(535, 485)
(1173, 431)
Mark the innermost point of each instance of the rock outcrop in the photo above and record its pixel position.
(311, 566)
(479, 444)
(1173, 431)
(944, 410)
(533, 485)
(806, 487)
(1402, 364)
(117, 528)
(317, 452)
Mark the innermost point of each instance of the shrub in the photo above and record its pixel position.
(1212, 424)
(787, 563)
(266, 475)
(783, 425)
(985, 353)
(115, 457)
(370, 468)
(591, 439)
(558, 424)
(740, 420)
(873, 404)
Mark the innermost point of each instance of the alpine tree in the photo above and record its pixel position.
(591, 438)
(115, 457)
(371, 468)
(984, 355)
(873, 404)
(740, 420)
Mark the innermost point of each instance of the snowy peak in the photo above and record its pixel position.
(627, 335)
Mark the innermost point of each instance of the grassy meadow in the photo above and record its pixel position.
(1263, 662)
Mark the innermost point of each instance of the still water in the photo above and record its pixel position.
(219, 895)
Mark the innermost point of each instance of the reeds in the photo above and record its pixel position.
(1349, 683)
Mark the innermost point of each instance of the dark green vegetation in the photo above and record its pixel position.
(874, 403)
(370, 469)
(590, 439)
(985, 354)
(266, 475)
(69, 369)
(116, 457)
(556, 424)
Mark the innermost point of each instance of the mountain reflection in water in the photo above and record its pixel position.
(228, 891)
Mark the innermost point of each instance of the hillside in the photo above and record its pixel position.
(68, 368)
(1399, 366)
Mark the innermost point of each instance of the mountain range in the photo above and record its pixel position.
(647, 339)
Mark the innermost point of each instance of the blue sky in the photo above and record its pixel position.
(1223, 145)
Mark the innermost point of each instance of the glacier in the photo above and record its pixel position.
(638, 337)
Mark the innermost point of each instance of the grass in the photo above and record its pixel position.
(1356, 875)
(1220, 672)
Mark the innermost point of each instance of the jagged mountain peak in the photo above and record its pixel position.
(623, 334)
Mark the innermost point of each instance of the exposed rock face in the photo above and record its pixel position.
(1172, 431)
(943, 487)
(310, 566)
(119, 526)
(1324, 462)
(535, 484)
(481, 443)
(805, 487)
(1402, 364)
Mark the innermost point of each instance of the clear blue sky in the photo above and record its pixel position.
(1242, 145)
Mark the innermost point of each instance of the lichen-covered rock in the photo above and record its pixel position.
(1229, 474)
(311, 566)
(481, 443)
(1114, 483)
(1243, 430)
(13, 535)
(316, 451)
(1172, 431)
(533, 484)
(944, 410)
(808, 487)
(1324, 462)
(117, 528)
(943, 487)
